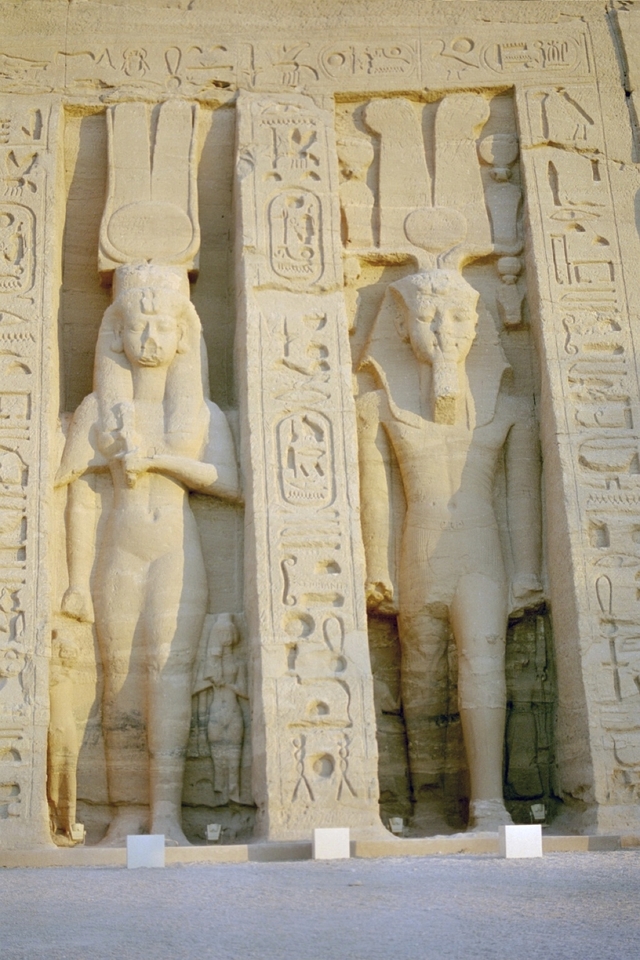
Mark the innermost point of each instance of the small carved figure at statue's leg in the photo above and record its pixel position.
(62, 745)
(119, 602)
(171, 642)
(479, 621)
(424, 637)
(61, 784)
(225, 733)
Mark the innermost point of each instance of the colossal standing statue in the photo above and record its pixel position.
(461, 419)
(149, 424)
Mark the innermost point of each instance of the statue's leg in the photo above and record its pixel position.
(174, 614)
(424, 674)
(236, 736)
(479, 621)
(220, 762)
(118, 598)
(54, 791)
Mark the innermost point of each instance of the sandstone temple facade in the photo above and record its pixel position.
(319, 418)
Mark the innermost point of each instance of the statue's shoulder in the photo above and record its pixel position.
(81, 451)
(368, 405)
(85, 422)
(88, 409)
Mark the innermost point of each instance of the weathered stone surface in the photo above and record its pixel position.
(412, 226)
(315, 757)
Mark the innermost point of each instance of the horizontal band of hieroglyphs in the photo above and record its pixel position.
(201, 68)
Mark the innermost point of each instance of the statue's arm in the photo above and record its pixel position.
(374, 501)
(82, 507)
(240, 686)
(80, 462)
(524, 508)
(80, 454)
(216, 473)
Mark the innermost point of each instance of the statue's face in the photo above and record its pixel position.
(150, 339)
(442, 326)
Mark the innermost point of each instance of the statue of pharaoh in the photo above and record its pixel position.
(448, 443)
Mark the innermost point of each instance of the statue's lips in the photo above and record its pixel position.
(149, 361)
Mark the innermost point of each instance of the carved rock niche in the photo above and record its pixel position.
(153, 163)
(451, 218)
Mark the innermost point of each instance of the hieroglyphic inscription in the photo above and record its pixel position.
(315, 568)
(116, 70)
(188, 66)
(485, 53)
(27, 178)
(315, 696)
(598, 388)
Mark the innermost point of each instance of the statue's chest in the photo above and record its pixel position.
(148, 424)
(437, 441)
(439, 455)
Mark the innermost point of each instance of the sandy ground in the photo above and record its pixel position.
(566, 906)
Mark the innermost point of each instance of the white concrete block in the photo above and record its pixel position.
(521, 841)
(145, 851)
(331, 843)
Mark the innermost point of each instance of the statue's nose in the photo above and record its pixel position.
(148, 341)
(438, 324)
(147, 337)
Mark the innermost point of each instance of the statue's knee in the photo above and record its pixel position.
(481, 674)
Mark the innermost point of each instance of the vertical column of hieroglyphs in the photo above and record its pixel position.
(593, 388)
(29, 279)
(315, 755)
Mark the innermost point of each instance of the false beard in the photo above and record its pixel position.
(446, 390)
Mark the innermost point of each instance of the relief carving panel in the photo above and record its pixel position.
(313, 686)
(28, 279)
(584, 310)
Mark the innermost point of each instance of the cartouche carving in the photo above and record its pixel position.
(16, 248)
(150, 425)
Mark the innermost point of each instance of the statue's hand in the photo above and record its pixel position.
(77, 603)
(380, 597)
(134, 466)
(526, 593)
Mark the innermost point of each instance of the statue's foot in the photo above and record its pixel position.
(170, 827)
(485, 816)
(126, 823)
(63, 840)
